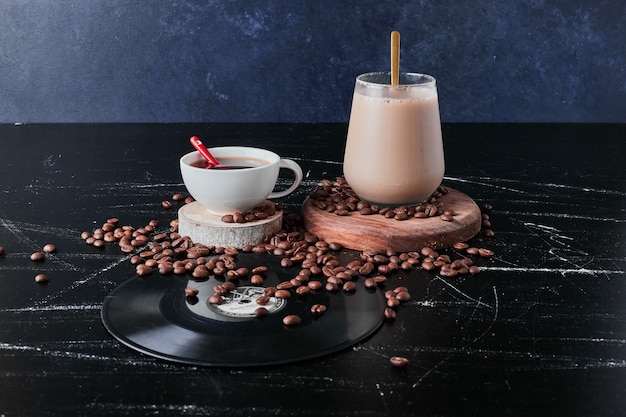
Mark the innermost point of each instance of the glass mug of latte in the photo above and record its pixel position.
(394, 150)
(245, 178)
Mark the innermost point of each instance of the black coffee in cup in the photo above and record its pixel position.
(227, 163)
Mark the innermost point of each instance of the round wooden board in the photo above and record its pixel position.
(359, 232)
(208, 229)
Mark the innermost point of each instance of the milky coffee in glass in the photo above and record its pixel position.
(394, 150)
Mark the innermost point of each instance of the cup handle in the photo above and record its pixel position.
(293, 166)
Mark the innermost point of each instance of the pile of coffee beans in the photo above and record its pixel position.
(167, 252)
(338, 197)
(261, 212)
(320, 269)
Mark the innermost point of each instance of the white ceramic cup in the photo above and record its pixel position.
(226, 191)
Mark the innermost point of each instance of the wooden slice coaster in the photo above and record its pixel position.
(361, 232)
(203, 227)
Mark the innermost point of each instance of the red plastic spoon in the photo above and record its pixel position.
(197, 143)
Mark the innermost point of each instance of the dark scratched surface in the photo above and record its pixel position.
(541, 330)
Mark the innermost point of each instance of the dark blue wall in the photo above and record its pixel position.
(295, 60)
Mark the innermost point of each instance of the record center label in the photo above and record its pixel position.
(241, 302)
(237, 305)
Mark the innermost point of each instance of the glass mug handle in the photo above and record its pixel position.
(293, 166)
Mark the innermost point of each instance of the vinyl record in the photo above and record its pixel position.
(154, 316)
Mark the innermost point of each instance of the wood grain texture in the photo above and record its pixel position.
(359, 232)
(203, 227)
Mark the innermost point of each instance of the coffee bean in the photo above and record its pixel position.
(413, 255)
(398, 361)
(303, 290)
(438, 263)
(380, 259)
(448, 272)
(426, 251)
(303, 277)
(232, 275)
(380, 279)
(401, 216)
(256, 279)
(370, 283)
(334, 280)
(2, 250)
(37, 256)
(444, 258)
(485, 253)
(473, 270)
(463, 270)
(314, 285)
(270, 291)
(165, 268)
(367, 268)
(403, 296)
(220, 289)
(334, 246)
(259, 269)
(261, 312)
(41, 278)
(227, 218)
(166, 204)
(385, 269)
(200, 272)
(284, 285)
(349, 286)
(284, 294)
(216, 299)
(49, 248)
(143, 270)
(460, 246)
(331, 287)
(467, 262)
(393, 302)
(390, 313)
(159, 237)
(292, 320)
(263, 300)
(318, 309)
(472, 250)
(178, 197)
(191, 292)
(242, 272)
(315, 270)
(489, 233)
